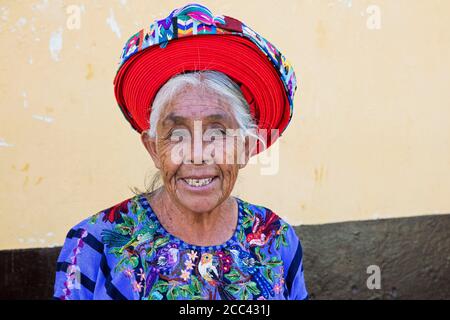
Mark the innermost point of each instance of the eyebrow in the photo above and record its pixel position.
(172, 118)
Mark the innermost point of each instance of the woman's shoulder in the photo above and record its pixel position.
(105, 219)
(259, 217)
(254, 210)
(84, 251)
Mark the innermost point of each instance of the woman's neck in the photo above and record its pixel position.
(204, 229)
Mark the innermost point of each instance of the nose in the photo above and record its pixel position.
(199, 152)
(192, 161)
(197, 147)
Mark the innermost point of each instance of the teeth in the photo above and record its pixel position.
(198, 182)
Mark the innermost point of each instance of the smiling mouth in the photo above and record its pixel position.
(198, 182)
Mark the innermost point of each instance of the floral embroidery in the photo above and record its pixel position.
(161, 266)
(114, 213)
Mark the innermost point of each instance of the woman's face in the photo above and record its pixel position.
(196, 154)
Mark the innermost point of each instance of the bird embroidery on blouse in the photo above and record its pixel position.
(166, 258)
(207, 268)
(249, 265)
(114, 239)
(114, 213)
(263, 229)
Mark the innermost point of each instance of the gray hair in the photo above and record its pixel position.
(214, 81)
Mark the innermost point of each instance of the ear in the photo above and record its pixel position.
(249, 149)
(150, 145)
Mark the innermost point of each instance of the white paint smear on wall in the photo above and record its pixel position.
(111, 21)
(348, 3)
(4, 13)
(40, 6)
(56, 44)
(25, 99)
(3, 143)
(43, 118)
(21, 22)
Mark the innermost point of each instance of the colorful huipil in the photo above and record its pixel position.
(124, 253)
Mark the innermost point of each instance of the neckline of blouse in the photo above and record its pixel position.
(142, 199)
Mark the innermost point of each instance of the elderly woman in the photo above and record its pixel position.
(202, 91)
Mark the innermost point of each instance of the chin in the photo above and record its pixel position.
(200, 203)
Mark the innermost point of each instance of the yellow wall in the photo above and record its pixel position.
(370, 137)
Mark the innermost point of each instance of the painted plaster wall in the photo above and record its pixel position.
(370, 137)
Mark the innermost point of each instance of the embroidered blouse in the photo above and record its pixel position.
(124, 253)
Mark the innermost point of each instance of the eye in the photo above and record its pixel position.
(176, 134)
(215, 133)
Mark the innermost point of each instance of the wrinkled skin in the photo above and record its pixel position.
(209, 216)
